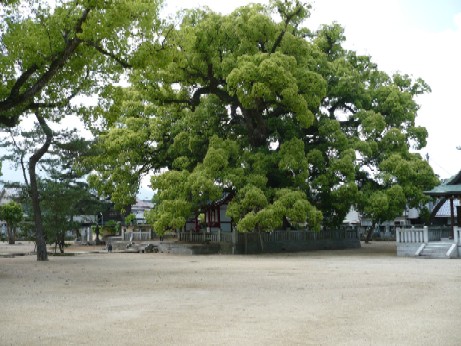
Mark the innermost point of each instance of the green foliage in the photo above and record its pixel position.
(111, 227)
(385, 205)
(288, 121)
(61, 200)
(61, 48)
(12, 214)
(130, 219)
(51, 52)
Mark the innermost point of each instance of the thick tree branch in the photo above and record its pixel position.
(49, 137)
(16, 98)
(21, 80)
(288, 19)
(101, 50)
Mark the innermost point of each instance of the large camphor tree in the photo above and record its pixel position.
(295, 127)
(51, 52)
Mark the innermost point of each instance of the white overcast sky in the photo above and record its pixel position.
(419, 37)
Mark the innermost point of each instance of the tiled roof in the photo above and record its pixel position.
(444, 210)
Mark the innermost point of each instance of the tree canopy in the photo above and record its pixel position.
(62, 200)
(12, 214)
(50, 51)
(252, 103)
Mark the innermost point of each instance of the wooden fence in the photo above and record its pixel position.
(267, 237)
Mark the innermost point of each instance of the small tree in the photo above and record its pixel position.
(111, 227)
(12, 214)
(130, 220)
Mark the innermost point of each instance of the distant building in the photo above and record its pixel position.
(139, 208)
(10, 194)
(214, 217)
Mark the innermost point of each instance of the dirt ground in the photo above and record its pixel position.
(365, 296)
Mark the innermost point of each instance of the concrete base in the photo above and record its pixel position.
(410, 249)
(407, 249)
(249, 248)
(189, 249)
(296, 246)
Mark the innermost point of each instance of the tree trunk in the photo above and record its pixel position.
(98, 241)
(370, 232)
(42, 255)
(61, 241)
(261, 242)
(11, 235)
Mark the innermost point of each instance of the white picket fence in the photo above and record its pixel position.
(137, 236)
(426, 234)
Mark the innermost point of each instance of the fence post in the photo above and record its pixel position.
(397, 235)
(455, 234)
(426, 234)
(219, 235)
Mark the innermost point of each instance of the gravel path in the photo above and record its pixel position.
(365, 296)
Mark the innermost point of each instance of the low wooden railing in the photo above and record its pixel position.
(274, 236)
(301, 235)
(205, 237)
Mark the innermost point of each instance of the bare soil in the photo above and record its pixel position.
(364, 296)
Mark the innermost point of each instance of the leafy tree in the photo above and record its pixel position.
(51, 152)
(293, 125)
(53, 52)
(50, 48)
(206, 150)
(401, 183)
(62, 200)
(130, 219)
(12, 214)
(111, 227)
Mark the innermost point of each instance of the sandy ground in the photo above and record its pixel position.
(365, 296)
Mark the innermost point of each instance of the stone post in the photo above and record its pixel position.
(426, 234)
(234, 237)
(397, 235)
(456, 235)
